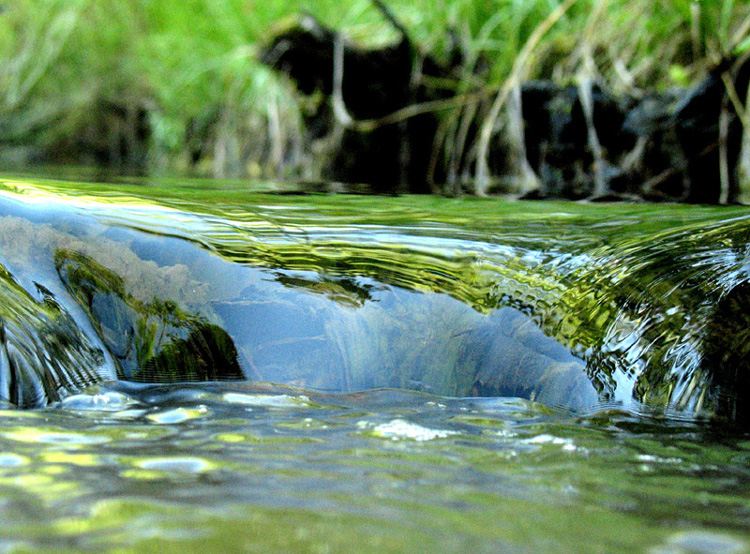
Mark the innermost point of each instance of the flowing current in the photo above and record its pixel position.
(205, 367)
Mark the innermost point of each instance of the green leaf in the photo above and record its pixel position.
(679, 75)
(743, 46)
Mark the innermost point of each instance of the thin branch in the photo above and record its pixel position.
(725, 193)
(390, 16)
(519, 66)
(339, 107)
(740, 35)
(737, 103)
(414, 110)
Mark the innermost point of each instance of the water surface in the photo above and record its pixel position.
(643, 296)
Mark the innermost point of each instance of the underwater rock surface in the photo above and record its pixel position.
(137, 291)
(116, 303)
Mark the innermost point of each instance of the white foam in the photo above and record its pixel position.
(398, 429)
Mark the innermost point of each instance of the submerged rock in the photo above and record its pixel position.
(338, 342)
(92, 292)
(109, 302)
(206, 354)
(154, 341)
(524, 362)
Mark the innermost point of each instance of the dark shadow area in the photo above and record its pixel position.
(375, 83)
(581, 142)
(727, 355)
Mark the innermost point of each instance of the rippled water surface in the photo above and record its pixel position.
(253, 469)
(642, 296)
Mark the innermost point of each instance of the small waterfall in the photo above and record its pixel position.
(98, 289)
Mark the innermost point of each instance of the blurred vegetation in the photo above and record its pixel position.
(186, 70)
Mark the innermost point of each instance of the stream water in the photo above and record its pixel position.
(193, 366)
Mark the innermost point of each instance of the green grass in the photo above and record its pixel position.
(192, 62)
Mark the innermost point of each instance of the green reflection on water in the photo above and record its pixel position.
(529, 482)
(233, 469)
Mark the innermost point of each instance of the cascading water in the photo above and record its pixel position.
(154, 291)
(209, 369)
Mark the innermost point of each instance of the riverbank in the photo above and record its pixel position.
(162, 90)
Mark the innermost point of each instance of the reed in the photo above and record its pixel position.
(192, 62)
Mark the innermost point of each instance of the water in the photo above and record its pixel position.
(624, 323)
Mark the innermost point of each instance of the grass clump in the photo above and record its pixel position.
(209, 107)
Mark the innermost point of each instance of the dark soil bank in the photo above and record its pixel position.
(580, 141)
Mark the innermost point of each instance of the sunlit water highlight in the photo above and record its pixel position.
(201, 467)
(254, 467)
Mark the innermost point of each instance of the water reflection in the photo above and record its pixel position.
(331, 302)
(153, 341)
(167, 310)
(253, 465)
